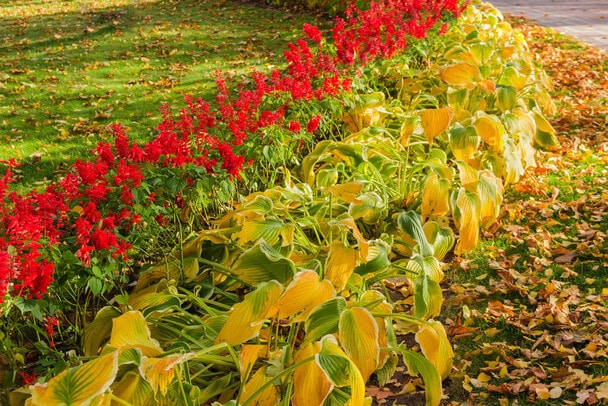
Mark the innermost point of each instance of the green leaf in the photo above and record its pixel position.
(377, 258)
(464, 141)
(263, 263)
(411, 223)
(417, 364)
(507, 98)
(428, 297)
(358, 335)
(324, 319)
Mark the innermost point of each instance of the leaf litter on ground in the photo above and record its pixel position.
(527, 313)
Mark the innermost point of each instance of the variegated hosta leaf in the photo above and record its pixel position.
(303, 294)
(469, 176)
(134, 389)
(506, 98)
(340, 264)
(464, 142)
(462, 74)
(435, 121)
(263, 263)
(428, 265)
(514, 167)
(311, 385)
(369, 209)
(131, 331)
(545, 133)
(491, 130)
(511, 77)
(340, 370)
(435, 196)
(411, 223)
(435, 346)
(376, 260)
(358, 335)
(375, 302)
(270, 396)
(417, 364)
(489, 190)
(271, 230)
(99, 329)
(441, 238)
(324, 319)
(160, 372)
(428, 297)
(79, 385)
(246, 318)
(408, 128)
(467, 218)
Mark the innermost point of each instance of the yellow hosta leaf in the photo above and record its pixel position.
(349, 223)
(376, 303)
(340, 264)
(160, 372)
(248, 355)
(435, 346)
(346, 192)
(492, 131)
(469, 176)
(270, 396)
(79, 385)
(435, 121)
(545, 133)
(489, 190)
(303, 294)
(461, 74)
(311, 385)
(468, 219)
(358, 334)
(246, 318)
(464, 142)
(131, 331)
(435, 196)
(409, 126)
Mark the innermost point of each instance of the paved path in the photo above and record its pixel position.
(586, 20)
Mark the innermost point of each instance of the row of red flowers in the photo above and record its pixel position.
(92, 210)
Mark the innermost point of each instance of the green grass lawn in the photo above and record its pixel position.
(70, 68)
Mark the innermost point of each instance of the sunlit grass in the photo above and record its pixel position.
(73, 67)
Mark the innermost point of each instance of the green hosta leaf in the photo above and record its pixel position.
(79, 385)
(358, 335)
(130, 330)
(464, 142)
(435, 346)
(545, 133)
(263, 263)
(260, 204)
(428, 297)
(370, 208)
(324, 319)
(99, 329)
(507, 98)
(441, 238)
(510, 76)
(246, 318)
(340, 370)
(417, 364)
(482, 52)
(411, 223)
(376, 259)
